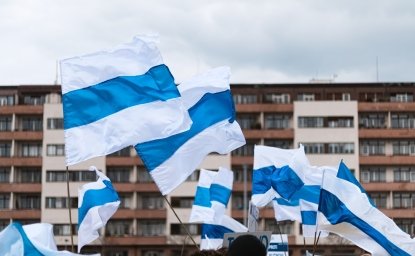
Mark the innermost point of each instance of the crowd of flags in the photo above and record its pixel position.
(127, 96)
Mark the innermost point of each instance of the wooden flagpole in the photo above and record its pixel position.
(69, 208)
(181, 223)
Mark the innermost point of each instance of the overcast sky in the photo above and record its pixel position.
(263, 41)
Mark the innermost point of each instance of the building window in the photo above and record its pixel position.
(116, 253)
(282, 98)
(63, 229)
(340, 122)
(284, 144)
(245, 98)
(55, 123)
(60, 202)
(5, 149)
(28, 175)
(248, 121)
(372, 120)
(403, 121)
(276, 121)
(30, 123)
(75, 176)
(55, 150)
(283, 227)
(151, 201)
(404, 174)
(373, 174)
(379, 199)
(178, 229)
(125, 152)
(314, 148)
(119, 174)
(5, 123)
(306, 97)
(194, 176)
(126, 200)
(238, 173)
(144, 176)
(403, 200)
(119, 228)
(182, 202)
(4, 201)
(151, 227)
(34, 99)
(28, 201)
(4, 175)
(152, 253)
(238, 200)
(4, 224)
(310, 122)
(407, 225)
(340, 148)
(6, 100)
(403, 147)
(402, 97)
(31, 150)
(372, 147)
(246, 150)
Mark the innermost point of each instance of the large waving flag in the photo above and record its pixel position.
(212, 195)
(97, 202)
(212, 234)
(34, 240)
(209, 102)
(346, 210)
(118, 98)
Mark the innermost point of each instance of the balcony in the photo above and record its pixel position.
(386, 106)
(21, 187)
(389, 186)
(387, 160)
(122, 161)
(136, 187)
(239, 160)
(269, 134)
(386, 133)
(21, 161)
(135, 240)
(22, 109)
(21, 214)
(276, 108)
(140, 214)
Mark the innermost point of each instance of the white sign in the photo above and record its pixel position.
(263, 236)
(253, 217)
(278, 245)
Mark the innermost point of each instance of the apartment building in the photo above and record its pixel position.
(371, 126)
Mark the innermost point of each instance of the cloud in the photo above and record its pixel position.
(262, 41)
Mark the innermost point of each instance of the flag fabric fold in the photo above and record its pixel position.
(346, 210)
(214, 129)
(212, 195)
(110, 99)
(33, 239)
(97, 202)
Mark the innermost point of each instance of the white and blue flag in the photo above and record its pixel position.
(97, 202)
(346, 210)
(117, 98)
(212, 195)
(213, 233)
(214, 129)
(33, 239)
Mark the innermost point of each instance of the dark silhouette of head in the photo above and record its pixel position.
(247, 245)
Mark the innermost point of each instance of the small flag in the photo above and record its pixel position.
(33, 239)
(97, 202)
(212, 195)
(210, 104)
(346, 210)
(212, 234)
(117, 98)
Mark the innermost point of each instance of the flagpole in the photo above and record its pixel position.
(315, 233)
(245, 197)
(181, 223)
(69, 208)
(279, 231)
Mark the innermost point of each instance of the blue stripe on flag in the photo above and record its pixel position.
(202, 197)
(93, 103)
(97, 197)
(310, 193)
(337, 212)
(220, 193)
(209, 110)
(283, 180)
(308, 217)
(214, 231)
(292, 202)
(28, 247)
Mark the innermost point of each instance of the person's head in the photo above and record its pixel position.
(247, 245)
